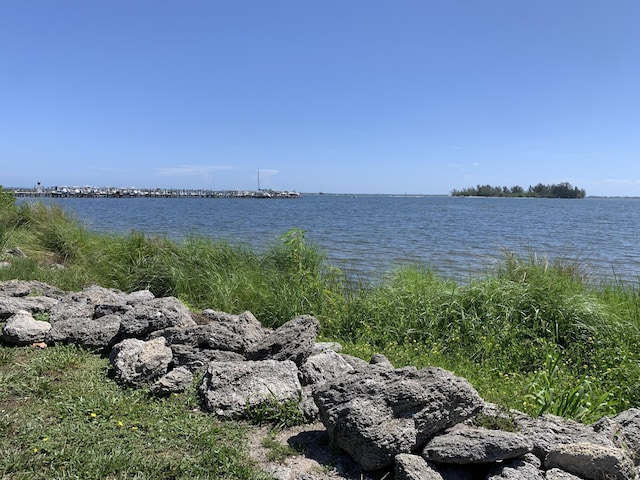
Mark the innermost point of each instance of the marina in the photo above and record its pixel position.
(133, 192)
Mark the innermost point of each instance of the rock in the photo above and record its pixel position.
(155, 314)
(292, 341)
(83, 304)
(590, 461)
(324, 366)
(22, 329)
(175, 381)
(213, 336)
(91, 333)
(245, 325)
(11, 305)
(23, 288)
(381, 360)
(197, 359)
(307, 406)
(414, 467)
(376, 413)
(320, 347)
(16, 252)
(355, 362)
(139, 296)
(549, 430)
(517, 469)
(229, 388)
(471, 445)
(138, 362)
(557, 474)
(5, 264)
(624, 430)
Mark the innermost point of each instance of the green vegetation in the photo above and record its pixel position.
(563, 190)
(61, 417)
(531, 335)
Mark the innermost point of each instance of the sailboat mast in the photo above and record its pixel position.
(258, 179)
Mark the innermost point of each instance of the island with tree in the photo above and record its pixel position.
(562, 190)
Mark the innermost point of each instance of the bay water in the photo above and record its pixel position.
(368, 236)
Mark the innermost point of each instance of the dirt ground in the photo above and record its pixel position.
(313, 457)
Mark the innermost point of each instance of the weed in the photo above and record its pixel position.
(278, 413)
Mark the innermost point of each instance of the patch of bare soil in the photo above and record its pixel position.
(311, 457)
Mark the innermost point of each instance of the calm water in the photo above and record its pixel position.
(368, 235)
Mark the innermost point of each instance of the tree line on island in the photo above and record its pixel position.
(562, 190)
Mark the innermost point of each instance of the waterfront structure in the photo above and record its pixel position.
(115, 192)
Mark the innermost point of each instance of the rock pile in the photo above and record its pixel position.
(421, 424)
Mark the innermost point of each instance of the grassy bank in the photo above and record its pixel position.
(531, 335)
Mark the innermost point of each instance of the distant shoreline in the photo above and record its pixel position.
(111, 192)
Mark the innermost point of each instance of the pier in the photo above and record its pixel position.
(114, 192)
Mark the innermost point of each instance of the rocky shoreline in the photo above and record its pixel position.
(418, 424)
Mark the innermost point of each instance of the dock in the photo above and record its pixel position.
(114, 192)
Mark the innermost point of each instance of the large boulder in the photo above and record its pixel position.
(295, 340)
(229, 388)
(155, 314)
(377, 413)
(592, 462)
(137, 362)
(476, 445)
(91, 333)
(22, 329)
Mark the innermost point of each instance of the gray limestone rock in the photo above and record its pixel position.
(517, 469)
(22, 329)
(138, 362)
(293, 341)
(476, 445)
(197, 359)
(175, 381)
(324, 366)
(549, 430)
(83, 304)
(92, 333)
(592, 462)
(414, 467)
(376, 413)
(557, 474)
(624, 430)
(11, 305)
(229, 388)
(155, 314)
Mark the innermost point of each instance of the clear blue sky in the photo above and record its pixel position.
(358, 96)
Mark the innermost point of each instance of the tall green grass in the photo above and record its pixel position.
(498, 330)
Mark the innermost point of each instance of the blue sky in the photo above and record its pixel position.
(357, 96)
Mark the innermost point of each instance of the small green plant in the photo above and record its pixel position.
(280, 414)
(549, 395)
(278, 451)
(502, 420)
